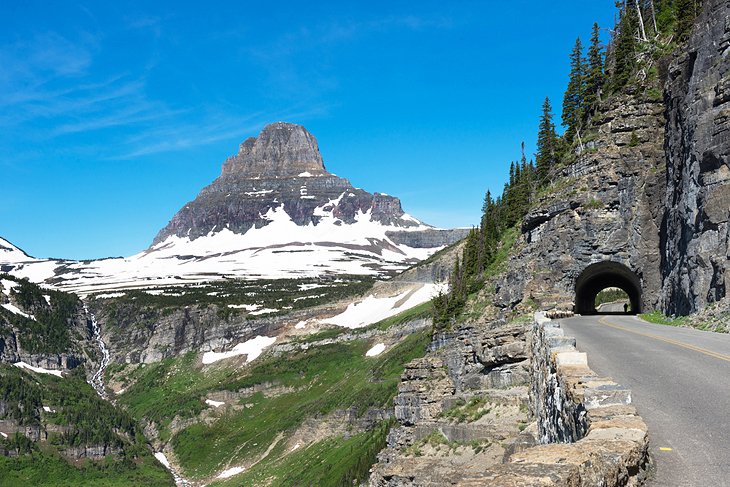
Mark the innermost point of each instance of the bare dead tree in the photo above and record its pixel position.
(653, 16)
(641, 22)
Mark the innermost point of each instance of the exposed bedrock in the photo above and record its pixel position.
(280, 167)
(607, 208)
(695, 237)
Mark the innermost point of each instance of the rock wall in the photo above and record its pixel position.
(585, 433)
(139, 334)
(16, 331)
(436, 441)
(590, 433)
(696, 234)
(608, 206)
(650, 190)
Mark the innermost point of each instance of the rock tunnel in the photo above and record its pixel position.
(602, 275)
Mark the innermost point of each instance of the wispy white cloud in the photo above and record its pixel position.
(49, 89)
(214, 128)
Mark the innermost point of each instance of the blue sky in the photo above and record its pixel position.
(114, 116)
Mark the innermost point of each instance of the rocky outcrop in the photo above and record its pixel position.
(142, 334)
(590, 434)
(696, 234)
(280, 167)
(459, 408)
(39, 331)
(607, 206)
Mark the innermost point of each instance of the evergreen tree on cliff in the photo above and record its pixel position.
(595, 77)
(573, 100)
(624, 54)
(547, 144)
(686, 11)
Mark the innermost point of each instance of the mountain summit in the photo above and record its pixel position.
(281, 150)
(281, 168)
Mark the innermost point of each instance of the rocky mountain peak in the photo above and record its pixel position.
(280, 150)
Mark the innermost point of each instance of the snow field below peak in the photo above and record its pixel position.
(373, 309)
(251, 348)
(39, 370)
(279, 250)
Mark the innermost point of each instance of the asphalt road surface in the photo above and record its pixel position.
(680, 383)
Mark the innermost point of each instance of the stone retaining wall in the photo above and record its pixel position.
(590, 433)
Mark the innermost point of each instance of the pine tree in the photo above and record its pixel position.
(573, 101)
(664, 15)
(594, 73)
(624, 55)
(547, 141)
(686, 11)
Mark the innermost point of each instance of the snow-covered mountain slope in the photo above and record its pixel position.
(275, 212)
(281, 249)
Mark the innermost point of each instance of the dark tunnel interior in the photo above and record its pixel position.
(602, 275)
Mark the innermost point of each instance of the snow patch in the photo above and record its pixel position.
(14, 309)
(306, 174)
(109, 295)
(251, 348)
(374, 309)
(215, 404)
(247, 307)
(162, 459)
(48, 409)
(264, 311)
(376, 350)
(7, 285)
(230, 472)
(4, 435)
(300, 325)
(39, 370)
(307, 287)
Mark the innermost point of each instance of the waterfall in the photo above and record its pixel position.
(97, 380)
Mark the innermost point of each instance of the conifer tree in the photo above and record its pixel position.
(573, 100)
(686, 11)
(664, 14)
(547, 141)
(595, 77)
(624, 55)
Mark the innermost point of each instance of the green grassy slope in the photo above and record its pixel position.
(316, 380)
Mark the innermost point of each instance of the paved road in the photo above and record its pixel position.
(680, 382)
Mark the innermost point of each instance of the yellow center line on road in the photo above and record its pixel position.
(717, 355)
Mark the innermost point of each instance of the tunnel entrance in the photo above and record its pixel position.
(603, 275)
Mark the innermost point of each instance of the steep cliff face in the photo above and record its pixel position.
(460, 409)
(649, 197)
(43, 328)
(607, 207)
(282, 167)
(696, 234)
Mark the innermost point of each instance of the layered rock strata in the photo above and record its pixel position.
(459, 408)
(283, 167)
(696, 234)
(590, 433)
(607, 206)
